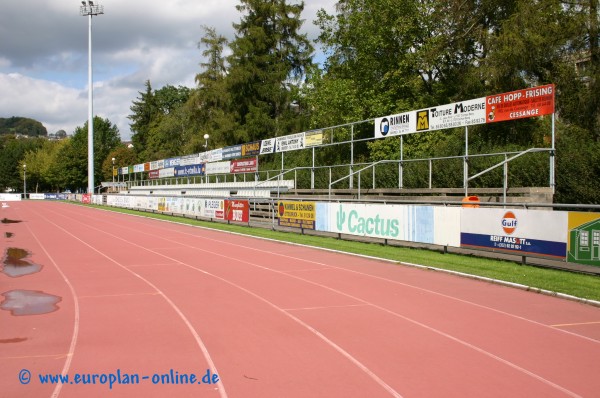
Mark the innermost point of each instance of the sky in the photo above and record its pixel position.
(44, 54)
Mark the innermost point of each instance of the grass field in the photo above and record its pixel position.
(570, 283)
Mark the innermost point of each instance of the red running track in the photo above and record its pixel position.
(144, 298)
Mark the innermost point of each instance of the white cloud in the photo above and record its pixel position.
(43, 67)
(55, 105)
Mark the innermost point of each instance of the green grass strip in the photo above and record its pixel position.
(566, 282)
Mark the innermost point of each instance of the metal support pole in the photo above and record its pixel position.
(373, 176)
(505, 178)
(351, 156)
(430, 172)
(89, 9)
(552, 159)
(312, 170)
(401, 164)
(466, 163)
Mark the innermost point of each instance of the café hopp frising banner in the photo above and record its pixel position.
(531, 102)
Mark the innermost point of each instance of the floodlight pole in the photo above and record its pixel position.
(89, 9)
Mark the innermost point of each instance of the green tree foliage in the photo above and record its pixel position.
(12, 153)
(123, 156)
(269, 56)
(210, 102)
(42, 166)
(74, 155)
(22, 126)
(160, 122)
(144, 111)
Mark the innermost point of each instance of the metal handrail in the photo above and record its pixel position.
(519, 154)
(356, 172)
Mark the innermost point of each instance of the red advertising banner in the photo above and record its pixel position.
(244, 166)
(237, 210)
(520, 104)
(86, 198)
(153, 174)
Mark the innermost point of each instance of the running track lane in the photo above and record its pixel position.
(272, 319)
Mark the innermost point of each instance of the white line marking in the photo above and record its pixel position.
(199, 341)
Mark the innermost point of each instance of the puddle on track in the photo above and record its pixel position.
(8, 221)
(29, 302)
(13, 340)
(14, 266)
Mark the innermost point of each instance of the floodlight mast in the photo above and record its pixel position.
(89, 9)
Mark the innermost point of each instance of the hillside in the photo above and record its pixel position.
(22, 126)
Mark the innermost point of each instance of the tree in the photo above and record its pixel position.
(144, 111)
(12, 153)
(210, 102)
(123, 156)
(41, 166)
(269, 55)
(73, 169)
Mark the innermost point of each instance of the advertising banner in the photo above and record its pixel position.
(584, 238)
(190, 159)
(217, 168)
(86, 198)
(165, 173)
(204, 157)
(214, 208)
(413, 223)
(147, 166)
(215, 155)
(290, 142)
(138, 168)
(296, 214)
(532, 102)
(539, 233)
(244, 166)
(401, 222)
(313, 138)
(153, 174)
(402, 123)
(267, 146)
(251, 149)
(459, 114)
(232, 152)
(55, 196)
(192, 206)
(237, 210)
(171, 162)
(154, 165)
(190, 170)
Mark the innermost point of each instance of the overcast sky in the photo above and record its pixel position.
(44, 54)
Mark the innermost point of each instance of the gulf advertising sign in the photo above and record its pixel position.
(296, 214)
(539, 233)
